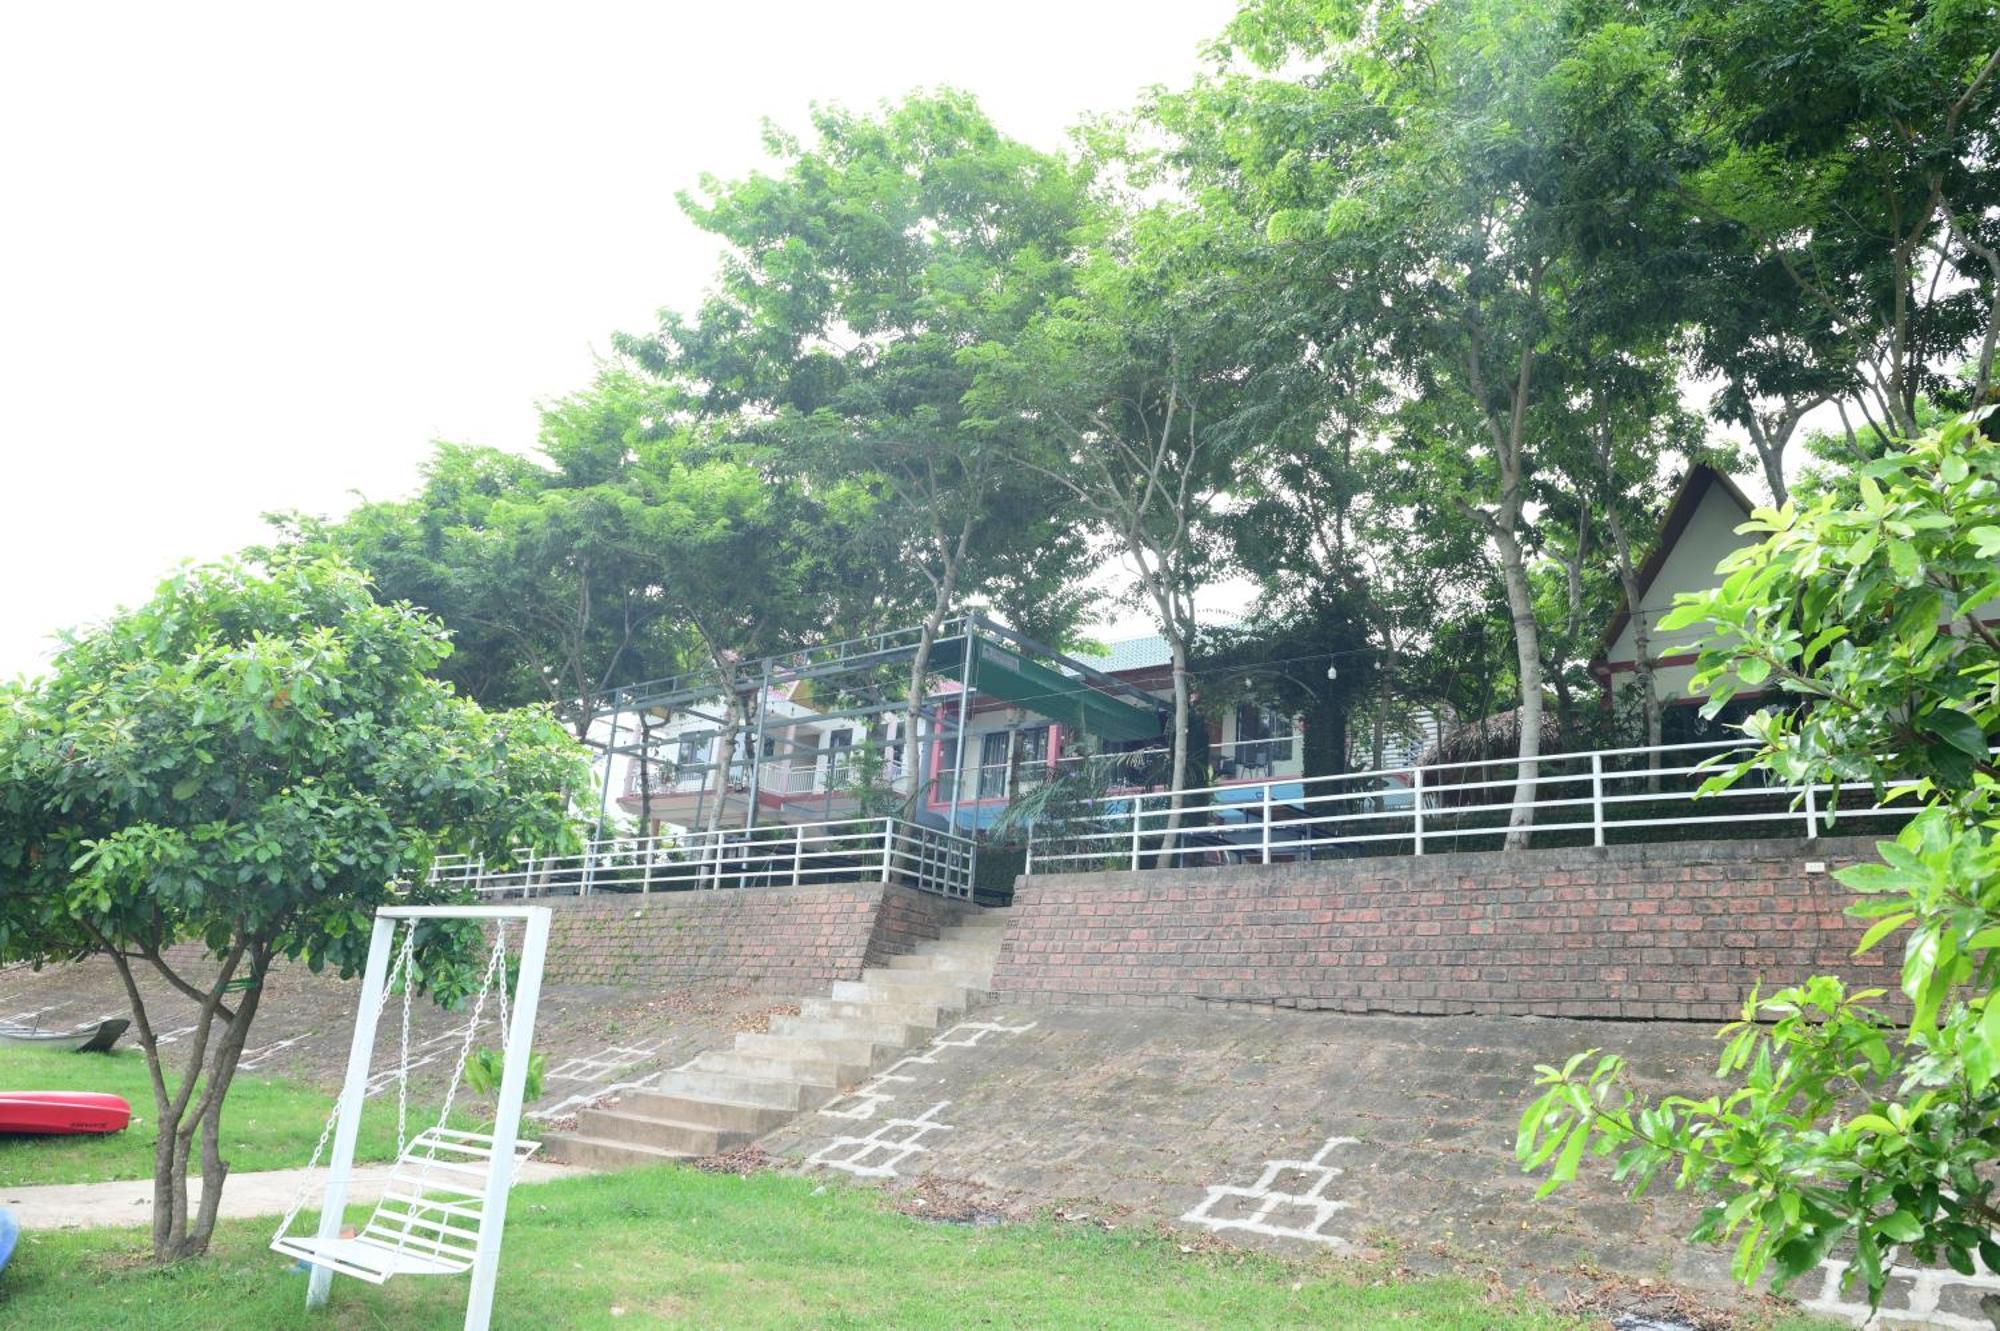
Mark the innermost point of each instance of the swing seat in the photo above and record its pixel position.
(429, 1218)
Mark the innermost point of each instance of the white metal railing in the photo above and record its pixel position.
(850, 850)
(1579, 798)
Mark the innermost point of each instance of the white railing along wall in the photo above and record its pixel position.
(1580, 798)
(850, 850)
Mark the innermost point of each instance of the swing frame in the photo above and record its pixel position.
(513, 1083)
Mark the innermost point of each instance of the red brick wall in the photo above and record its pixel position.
(789, 941)
(1658, 931)
(907, 918)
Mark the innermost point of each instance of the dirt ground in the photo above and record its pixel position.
(592, 1038)
(1303, 1131)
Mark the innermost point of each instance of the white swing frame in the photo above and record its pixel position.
(507, 1121)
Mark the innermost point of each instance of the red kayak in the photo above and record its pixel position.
(62, 1112)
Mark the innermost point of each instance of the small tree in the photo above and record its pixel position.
(1865, 609)
(249, 763)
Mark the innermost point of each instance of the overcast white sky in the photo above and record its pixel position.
(257, 257)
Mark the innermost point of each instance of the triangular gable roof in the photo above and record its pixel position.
(1680, 511)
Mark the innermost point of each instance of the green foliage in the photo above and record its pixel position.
(1865, 619)
(254, 755)
(253, 762)
(485, 1066)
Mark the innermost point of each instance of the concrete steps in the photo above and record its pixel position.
(727, 1098)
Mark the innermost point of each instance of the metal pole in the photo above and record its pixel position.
(798, 851)
(888, 845)
(1137, 800)
(507, 1122)
(353, 1092)
(603, 805)
(1596, 799)
(964, 726)
(1417, 807)
(1812, 810)
(1267, 822)
(757, 748)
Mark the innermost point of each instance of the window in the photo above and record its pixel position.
(992, 782)
(1263, 736)
(1032, 754)
(689, 751)
(837, 757)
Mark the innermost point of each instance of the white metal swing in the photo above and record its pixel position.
(444, 1203)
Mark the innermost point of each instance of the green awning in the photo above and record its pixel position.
(1000, 673)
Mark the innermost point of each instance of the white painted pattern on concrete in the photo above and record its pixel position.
(1922, 1288)
(881, 1152)
(1292, 1213)
(256, 1058)
(603, 1065)
(866, 1100)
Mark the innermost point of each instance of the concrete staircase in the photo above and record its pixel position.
(721, 1101)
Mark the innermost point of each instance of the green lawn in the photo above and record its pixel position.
(268, 1122)
(674, 1247)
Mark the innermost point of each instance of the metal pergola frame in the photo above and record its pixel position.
(684, 695)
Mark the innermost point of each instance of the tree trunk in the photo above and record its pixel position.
(920, 667)
(732, 726)
(645, 773)
(1528, 659)
(1642, 648)
(1177, 644)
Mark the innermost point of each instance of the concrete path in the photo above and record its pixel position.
(91, 1205)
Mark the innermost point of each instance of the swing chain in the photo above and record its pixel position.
(401, 968)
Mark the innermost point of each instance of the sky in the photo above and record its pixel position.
(255, 258)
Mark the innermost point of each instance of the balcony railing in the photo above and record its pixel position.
(1593, 798)
(886, 850)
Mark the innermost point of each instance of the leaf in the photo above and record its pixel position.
(1753, 670)
(1900, 1226)
(1882, 929)
(1959, 730)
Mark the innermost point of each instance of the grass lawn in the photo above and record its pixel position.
(675, 1247)
(268, 1122)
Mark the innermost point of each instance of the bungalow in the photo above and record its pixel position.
(1697, 533)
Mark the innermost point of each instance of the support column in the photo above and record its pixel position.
(353, 1093)
(507, 1121)
(757, 748)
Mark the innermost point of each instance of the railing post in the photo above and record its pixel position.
(527, 883)
(1596, 798)
(888, 845)
(1812, 809)
(1267, 822)
(798, 851)
(1138, 800)
(652, 852)
(1417, 808)
(1028, 860)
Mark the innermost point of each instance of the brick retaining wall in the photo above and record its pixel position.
(1679, 930)
(907, 918)
(792, 941)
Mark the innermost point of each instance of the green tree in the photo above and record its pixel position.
(251, 762)
(1870, 613)
(749, 562)
(1434, 177)
(1126, 397)
(1857, 149)
(855, 275)
(534, 564)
